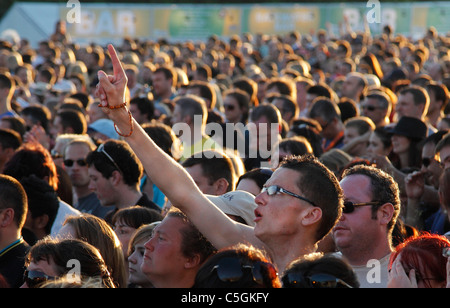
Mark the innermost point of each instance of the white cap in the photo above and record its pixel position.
(237, 203)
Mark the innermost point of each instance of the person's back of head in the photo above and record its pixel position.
(205, 91)
(297, 145)
(117, 155)
(249, 86)
(145, 106)
(424, 255)
(319, 271)
(270, 112)
(164, 137)
(192, 106)
(335, 160)
(7, 84)
(10, 139)
(98, 233)
(283, 85)
(38, 115)
(62, 251)
(318, 184)
(32, 158)
(13, 196)
(319, 90)
(239, 266)
(361, 124)
(136, 216)
(43, 205)
(15, 123)
(325, 109)
(73, 119)
(215, 165)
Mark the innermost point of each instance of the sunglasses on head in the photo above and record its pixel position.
(231, 270)
(101, 149)
(70, 162)
(35, 278)
(349, 206)
(315, 281)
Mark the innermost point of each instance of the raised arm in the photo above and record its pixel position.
(165, 172)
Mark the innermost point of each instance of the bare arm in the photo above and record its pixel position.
(165, 172)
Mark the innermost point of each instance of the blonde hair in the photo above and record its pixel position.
(97, 232)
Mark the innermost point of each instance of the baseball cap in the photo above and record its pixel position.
(238, 203)
(105, 127)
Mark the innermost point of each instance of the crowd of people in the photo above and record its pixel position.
(293, 161)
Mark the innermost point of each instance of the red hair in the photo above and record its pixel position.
(423, 253)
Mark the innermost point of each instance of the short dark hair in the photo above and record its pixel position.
(10, 139)
(320, 185)
(38, 114)
(32, 158)
(440, 93)
(42, 199)
(136, 216)
(325, 108)
(145, 106)
(320, 264)
(259, 175)
(206, 91)
(13, 195)
(419, 94)
(384, 189)
(129, 164)
(74, 119)
(215, 165)
(193, 241)
(192, 105)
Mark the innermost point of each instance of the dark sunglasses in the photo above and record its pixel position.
(315, 281)
(35, 278)
(426, 161)
(231, 270)
(274, 189)
(229, 107)
(70, 162)
(370, 108)
(349, 206)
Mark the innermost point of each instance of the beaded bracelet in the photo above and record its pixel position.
(123, 105)
(131, 125)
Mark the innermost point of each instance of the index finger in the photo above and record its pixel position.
(117, 66)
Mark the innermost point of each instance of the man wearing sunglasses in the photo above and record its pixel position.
(363, 233)
(75, 164)
(302, 206)
(377, 106)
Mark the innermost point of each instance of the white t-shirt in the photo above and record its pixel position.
(64, 210)
(374, 274)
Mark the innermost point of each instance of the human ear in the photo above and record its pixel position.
(385, 213)
(312, 216)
